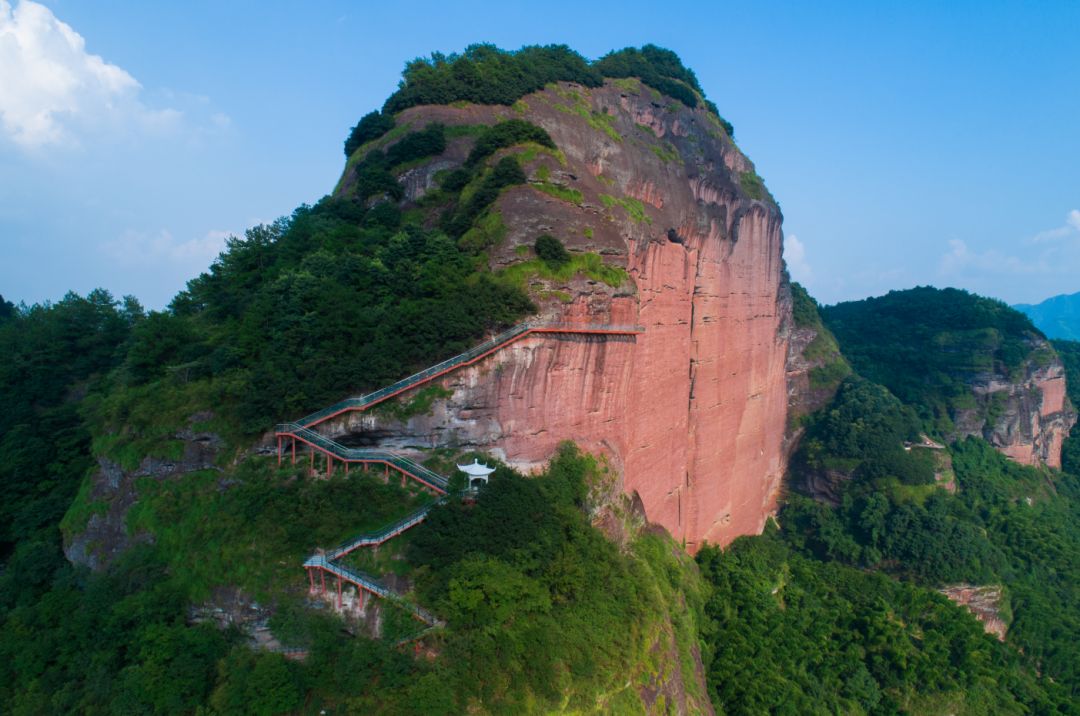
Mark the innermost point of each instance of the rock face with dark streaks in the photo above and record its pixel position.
(693, 410)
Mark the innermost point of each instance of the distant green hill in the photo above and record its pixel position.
(1057, 317)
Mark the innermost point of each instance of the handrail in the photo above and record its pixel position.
(372, 585)
(369, 399)
(380, 536)
(348, 454)
(301, 429)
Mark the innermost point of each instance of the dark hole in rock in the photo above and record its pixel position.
(673, 236)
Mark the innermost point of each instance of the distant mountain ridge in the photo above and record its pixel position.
(1057, 317)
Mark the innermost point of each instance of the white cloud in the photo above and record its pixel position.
(1041, 265)
(795, 257)
(52, 91)
(1070, 229)
(140, 249)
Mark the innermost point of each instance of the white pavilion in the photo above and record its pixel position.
(477, 472)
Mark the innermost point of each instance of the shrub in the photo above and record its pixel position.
(551, 250)
(507, 134)
(371, 126)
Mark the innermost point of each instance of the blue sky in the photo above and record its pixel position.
(907, 143)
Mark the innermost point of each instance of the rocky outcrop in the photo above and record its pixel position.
(1027, 418)
(112, 492)
(692, 411)
(984, 602)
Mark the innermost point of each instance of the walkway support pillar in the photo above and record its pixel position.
(339, 592)
(279, 451)
(329, 464)
(293, 441)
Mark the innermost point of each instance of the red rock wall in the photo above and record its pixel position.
(692, 412)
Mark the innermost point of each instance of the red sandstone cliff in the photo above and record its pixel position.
(692, 412)
(1026, 417)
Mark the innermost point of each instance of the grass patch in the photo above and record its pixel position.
(589, 264)
(420, 404)
(630, 85)
(633, 207)
(82, 509)
(753, 186)
(588, 232)
(600, 121)
(489, 230)
(667, 152)
(573, 196)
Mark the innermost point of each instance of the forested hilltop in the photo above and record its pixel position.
(187, 595)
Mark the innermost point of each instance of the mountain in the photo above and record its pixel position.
(971, 366)
(705, 492)
(1057, 317)
(686, 244)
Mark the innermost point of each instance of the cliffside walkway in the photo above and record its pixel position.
(467, 358)
(301, 432)
(328, 563)
(364, 583)
(334, 450)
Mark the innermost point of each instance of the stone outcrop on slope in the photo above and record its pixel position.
(693, 411)
(1027, 418)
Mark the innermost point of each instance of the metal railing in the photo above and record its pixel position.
(377, 538)
(364, 401)
(301, 430)
(371, 584)
(349, 454)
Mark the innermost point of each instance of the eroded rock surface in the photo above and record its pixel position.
(984, 602)
(692, 412)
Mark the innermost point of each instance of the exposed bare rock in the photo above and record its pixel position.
(1027, 418)
(691, 412)
(984, 602)
(112, 489)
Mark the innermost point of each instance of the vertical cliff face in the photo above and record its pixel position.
(692, 411)
(1027, 418)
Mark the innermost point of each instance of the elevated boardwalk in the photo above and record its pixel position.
(467, 358)
(300, 432)
(364, 583)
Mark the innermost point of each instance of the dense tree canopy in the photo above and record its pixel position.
(925, 344)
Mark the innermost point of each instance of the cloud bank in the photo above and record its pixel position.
(52, 90)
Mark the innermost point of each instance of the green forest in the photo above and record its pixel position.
(556, 596)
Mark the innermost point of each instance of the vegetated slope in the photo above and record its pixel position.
(840, 611)
(543, 610)
(969, 365)
(196, 537)
(1057, 316)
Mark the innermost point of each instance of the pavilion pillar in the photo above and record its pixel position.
(311, 578)
(322, 579)
(279, 451)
